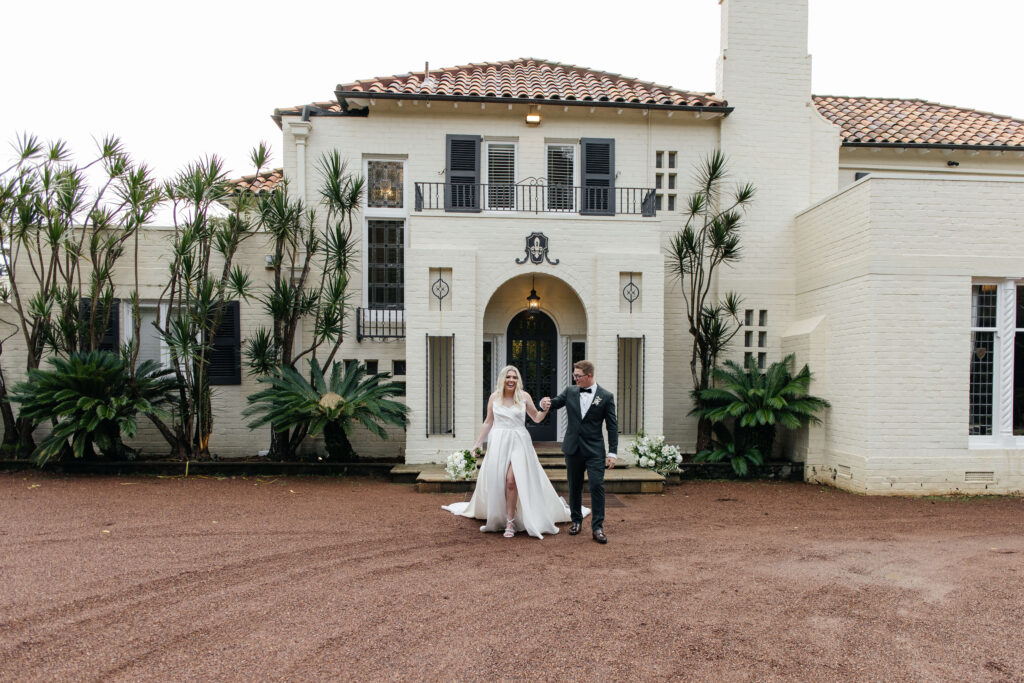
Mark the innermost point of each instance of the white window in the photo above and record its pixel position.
(151, 344)
(561, 174)
(996, 396)
(501, 175)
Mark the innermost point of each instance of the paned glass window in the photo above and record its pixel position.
(561, 174)
(385, 184)
(385, 264)
(983, 356)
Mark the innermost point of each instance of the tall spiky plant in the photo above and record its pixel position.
(709, 238)
(63, 229)
(313, 260)
(332, 405)
(202, 280)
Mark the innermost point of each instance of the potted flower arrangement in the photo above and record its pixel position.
(462, 465)
(653, 453)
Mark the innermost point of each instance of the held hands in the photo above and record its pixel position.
(545, 403)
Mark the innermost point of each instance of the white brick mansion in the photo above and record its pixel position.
(884, 248)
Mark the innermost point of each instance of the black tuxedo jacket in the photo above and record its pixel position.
(583, 434)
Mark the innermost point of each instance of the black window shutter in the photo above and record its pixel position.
(110, 341)
(226, 356)
(598, 175)
(462, 173)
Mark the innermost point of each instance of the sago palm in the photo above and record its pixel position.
(93, 400)
(758, 401)
(333, 405)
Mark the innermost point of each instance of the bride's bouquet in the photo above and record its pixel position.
(463, 464)
(654, 454)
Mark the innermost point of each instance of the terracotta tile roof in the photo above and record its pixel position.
(260, 182)
(886, 121)
(527, 79)
(532, 79)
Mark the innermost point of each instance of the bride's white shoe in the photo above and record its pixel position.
(510, 529)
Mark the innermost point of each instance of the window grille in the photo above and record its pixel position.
(385, 264)
(440, 385)
(631, 384)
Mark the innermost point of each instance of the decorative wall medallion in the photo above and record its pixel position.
(537, 250)
(440, 290)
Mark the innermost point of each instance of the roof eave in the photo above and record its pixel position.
(343, 95)
(935, 145)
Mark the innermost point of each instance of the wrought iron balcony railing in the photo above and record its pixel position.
(535, 198)
(380, 323)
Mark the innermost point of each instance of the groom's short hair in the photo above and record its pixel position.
(584, 366)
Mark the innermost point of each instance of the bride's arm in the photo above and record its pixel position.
(531, 409)
(488, 423)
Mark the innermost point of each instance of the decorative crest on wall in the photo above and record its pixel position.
(537, 250)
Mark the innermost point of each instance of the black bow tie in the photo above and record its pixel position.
(586, 391)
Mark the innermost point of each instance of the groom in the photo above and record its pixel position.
(588, 407)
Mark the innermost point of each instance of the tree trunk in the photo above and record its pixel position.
(704, 433)
(339, 448)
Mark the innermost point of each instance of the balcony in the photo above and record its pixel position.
(380, 323)
(535, 198)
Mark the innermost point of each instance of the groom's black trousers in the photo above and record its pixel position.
(575, 465)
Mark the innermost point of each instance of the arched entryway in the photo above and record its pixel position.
(532, 346)
(554, 337)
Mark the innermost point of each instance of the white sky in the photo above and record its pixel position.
(182, 79)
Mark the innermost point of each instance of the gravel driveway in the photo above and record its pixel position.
(133, 578)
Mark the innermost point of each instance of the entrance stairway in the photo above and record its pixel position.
(430, 477)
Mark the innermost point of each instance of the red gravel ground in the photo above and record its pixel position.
(306, 578)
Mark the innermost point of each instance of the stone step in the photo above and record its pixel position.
(558, 462)
(432, 479)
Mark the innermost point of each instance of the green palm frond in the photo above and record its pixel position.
(349, 396)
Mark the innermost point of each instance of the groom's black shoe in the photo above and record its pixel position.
(574, 528)
(599, 536)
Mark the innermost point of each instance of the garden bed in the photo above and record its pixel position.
(247, 467)
(784, 470)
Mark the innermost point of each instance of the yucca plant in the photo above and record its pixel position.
(756, 402)
(94, 401)
(710, 238)
(333, 405)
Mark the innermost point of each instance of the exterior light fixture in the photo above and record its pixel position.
(533, 300)
(532, 116)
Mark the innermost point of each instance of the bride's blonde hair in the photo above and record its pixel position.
(517, 394)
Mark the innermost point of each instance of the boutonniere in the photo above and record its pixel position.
(597, 401)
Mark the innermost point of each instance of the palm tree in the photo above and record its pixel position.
(756, 402)
(333, 406)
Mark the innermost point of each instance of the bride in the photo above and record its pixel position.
(512, 490)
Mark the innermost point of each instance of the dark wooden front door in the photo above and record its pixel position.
(532, 347)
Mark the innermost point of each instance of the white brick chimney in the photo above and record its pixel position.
(775, 139)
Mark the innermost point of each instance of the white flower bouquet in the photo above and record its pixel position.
(463, 464)
(653, 453)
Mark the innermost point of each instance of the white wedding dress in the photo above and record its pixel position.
(540, 507)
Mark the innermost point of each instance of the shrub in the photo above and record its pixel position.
(332, 406)
(94, 400)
